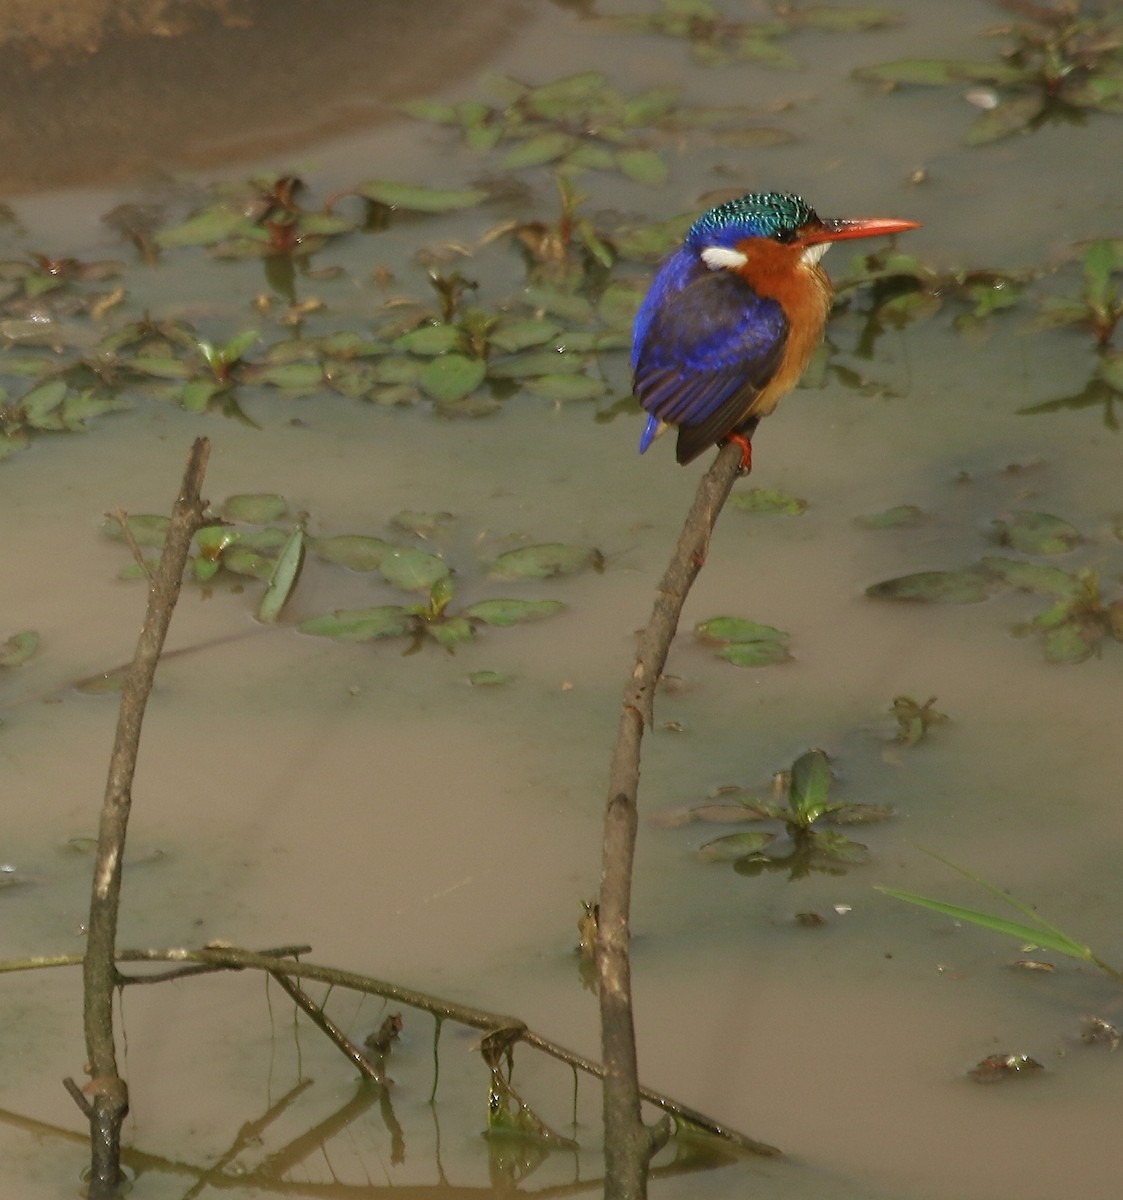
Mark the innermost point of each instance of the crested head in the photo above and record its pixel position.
(757, 215)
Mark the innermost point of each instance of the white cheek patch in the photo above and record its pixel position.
(716, 257)
(812, 254)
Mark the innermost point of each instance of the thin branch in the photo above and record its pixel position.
(210, 959)
(629, 1144)
(329, 1028)
(110, 1095)
(122, 518)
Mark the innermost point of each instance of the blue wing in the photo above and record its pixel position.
(705, 346)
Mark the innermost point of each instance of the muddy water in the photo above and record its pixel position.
(413, 827)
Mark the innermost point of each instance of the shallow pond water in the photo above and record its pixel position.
(414, 827)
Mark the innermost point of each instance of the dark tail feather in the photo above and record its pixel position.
(694, 439)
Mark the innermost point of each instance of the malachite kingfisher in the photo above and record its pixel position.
(733, 317)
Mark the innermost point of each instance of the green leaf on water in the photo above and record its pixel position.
(1040, 578)
(452, 377)
(567, 387)
(271, 538)
(643, 166)
(737, 629)
(1100, 261)
(362, 624)
(489, 678)
(1037, 533)
(846, 18)
(206, 228)
(1072, 641)
(544, 561)
(1008, 116)
(414, 570)
(103, 683)
(755, 654)
(512, 336)
(761, 500)
(454, 631)
(940, 72)
(735, 845)
(968, 586)
(283, 579)
(836, 847)
(352, 550)
(39, 405)
(901, 516)
(297, 376)
(810, 786)
(198, 393)
(19, 648)
(255, 508)
(212, 540)
(431, 110)
(539, 150)
(421, 524)
(11, 442)
(536, 364)
(234, 349)
(745, 643)
(511, 612)
(161, 366)
(207, 568)
(560, 303)
(430, 340)
(147, 529)
(241, 560)
(417, 198)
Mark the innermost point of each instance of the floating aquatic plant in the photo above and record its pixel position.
(745, 643)
(715, 37)
(803, 806)
(581, 123)
(1059, 63)
(256, 536)
(1098, 306)
(1078, 617)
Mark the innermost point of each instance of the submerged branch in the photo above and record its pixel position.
(280, 963)
(109, 1097)
(629, 1144)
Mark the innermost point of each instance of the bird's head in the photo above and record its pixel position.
(724, 236)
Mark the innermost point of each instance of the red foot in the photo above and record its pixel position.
(739, 439)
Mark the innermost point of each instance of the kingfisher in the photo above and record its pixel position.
(733, 317)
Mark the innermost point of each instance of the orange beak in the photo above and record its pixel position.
(839, 229)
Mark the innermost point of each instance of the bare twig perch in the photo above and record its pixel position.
(629, 1144)
(108, 1094)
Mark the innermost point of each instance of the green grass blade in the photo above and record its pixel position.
(1041, 925)
(1045, 936)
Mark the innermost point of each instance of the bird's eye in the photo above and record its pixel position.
(784, 236)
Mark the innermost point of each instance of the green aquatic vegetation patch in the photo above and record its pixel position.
(75, 351)
(1078, 617)
(802, 806)
(581, 123)
(257, 536)
(715, 37)
(896, 289)
(1098, 305)
(18, 649)
(1057, 64)
(745, 643)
